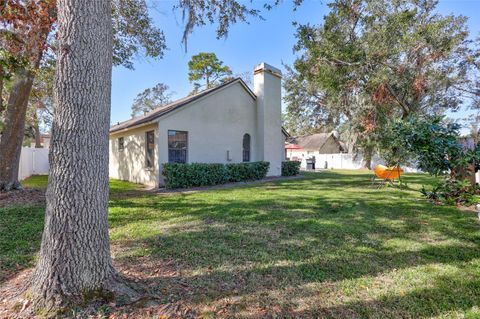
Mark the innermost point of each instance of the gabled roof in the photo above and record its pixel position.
(163, 110)
(315, 141)
(311, 142)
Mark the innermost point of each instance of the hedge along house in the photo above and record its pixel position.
(225, 124)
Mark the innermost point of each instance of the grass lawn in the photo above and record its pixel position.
(328, 245)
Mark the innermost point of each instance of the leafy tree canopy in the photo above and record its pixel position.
(206, 68)
(377, 60)
(151, 98)
(431, 142)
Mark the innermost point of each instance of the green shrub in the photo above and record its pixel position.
(452, 192)
(247, 171)
(290, 168)
(202, 174)
(195, 174)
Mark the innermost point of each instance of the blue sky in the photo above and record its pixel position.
(270, 40)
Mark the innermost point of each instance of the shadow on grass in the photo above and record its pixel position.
(265, 245)
(20, 234)
(325, 229)
(448, 296)
(21, 222)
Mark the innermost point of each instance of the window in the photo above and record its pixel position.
(121, 145)
(177, 146)
(246, 148)
(149, 149)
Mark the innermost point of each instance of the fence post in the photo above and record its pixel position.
(33, 162)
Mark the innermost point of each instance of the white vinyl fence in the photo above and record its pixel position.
(33, 161)
(345, 161)
(338, 161)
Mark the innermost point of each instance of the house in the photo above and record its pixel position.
(229, 123)
(313, 147)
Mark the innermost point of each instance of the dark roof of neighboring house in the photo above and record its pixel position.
(160, 111)
(310, 142)
(313, 141)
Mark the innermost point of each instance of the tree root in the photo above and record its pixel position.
(117, 291)
(10, 186)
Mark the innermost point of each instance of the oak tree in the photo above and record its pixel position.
(25, 26)
(27, 35)
(151, 98)
(371, 61)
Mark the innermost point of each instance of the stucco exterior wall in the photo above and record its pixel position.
(129, 164)
(268, 86)
(215, 124)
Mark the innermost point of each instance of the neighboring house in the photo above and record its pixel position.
(301, 148)
(44, 141)
(470, 143)
(225, 124)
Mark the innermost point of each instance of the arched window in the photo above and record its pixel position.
(246, 148)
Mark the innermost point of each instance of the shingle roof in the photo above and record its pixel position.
(311, 142)
(160, 111)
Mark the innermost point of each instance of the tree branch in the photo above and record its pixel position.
(476, 92)
(341, 62)
(405, 108)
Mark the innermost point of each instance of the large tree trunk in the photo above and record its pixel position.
(36, 128)
(2, 75)
(367, 157)
(14, 129)
(74, 259)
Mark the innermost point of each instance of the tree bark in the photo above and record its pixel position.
(2, 75)
(75, 260)
(367, 157)
(38, 135)
(14, 129)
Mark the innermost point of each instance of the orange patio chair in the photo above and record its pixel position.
(387, 174)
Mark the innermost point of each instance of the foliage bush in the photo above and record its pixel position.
(202, 174)
(247, 171)
(290, 168)
(433, 144)
(452, 192)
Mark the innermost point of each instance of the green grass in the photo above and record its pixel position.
(36, 182)
(327, 245)
(21, 225)
(116, 186)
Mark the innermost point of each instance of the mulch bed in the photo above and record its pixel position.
(22, 197)
(173, 300)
